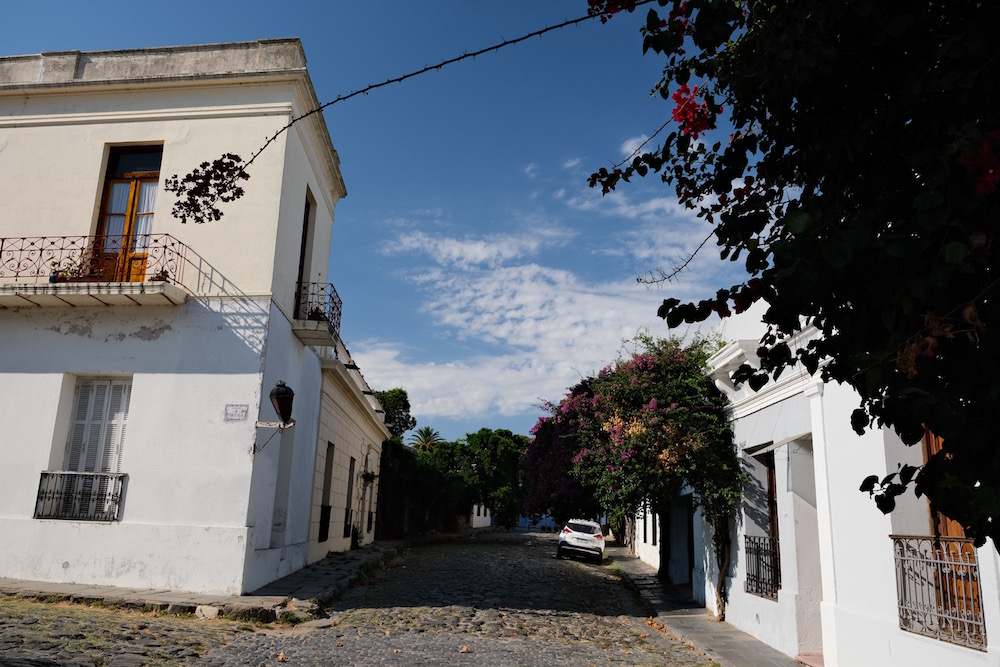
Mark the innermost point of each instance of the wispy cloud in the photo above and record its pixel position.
(632, 144)
(514, 319)
(572, 163)
(528, 330)
(530, 170)
(472, 251)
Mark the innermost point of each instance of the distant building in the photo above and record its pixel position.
(480, 517)
(138, 352)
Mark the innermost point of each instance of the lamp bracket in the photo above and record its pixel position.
(279, 425)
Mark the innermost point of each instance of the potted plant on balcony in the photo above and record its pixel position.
(85, 268)
(317, 314)
(161, 276)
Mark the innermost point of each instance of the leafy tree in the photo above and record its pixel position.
(425, 438)
(547, 464)
(494, 466)
(656, 423)
(396, 404)
(848, 153)
(446, 488)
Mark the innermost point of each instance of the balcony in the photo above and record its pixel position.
(139, 270)
(937, 589)
(79, 496)
(316, 320)
(763, 567)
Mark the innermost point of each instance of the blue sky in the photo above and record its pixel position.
(477, 269)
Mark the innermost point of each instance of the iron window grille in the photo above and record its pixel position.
(937, 589)
(79, 496)
(763, 566)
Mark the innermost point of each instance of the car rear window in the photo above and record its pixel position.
(583, 528)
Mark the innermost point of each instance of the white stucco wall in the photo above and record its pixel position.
(481, 517)
(186, 364)
(347, 422)
(645, 524)
(851, 553)
(202, 511)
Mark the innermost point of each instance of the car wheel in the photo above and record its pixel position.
(558, 552)
(598, 559)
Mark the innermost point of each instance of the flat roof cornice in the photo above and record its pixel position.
(263, 61)
(161, 64)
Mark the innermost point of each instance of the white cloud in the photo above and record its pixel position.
(633, 144)
(487, 250)
(509, 329)
(529, 330)
(572, 163)
(530, 170)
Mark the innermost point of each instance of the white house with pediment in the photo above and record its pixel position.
(138, 353)
(817, 571)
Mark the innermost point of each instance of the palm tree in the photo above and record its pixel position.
(425, 438)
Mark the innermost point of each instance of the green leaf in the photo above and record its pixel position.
(885, 503)
(955, 252)
(928, 200)
(797, 221)
(859, 420)
(869, 484)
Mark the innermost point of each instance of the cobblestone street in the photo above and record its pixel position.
(496, 599)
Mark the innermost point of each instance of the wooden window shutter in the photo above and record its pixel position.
(100, 416)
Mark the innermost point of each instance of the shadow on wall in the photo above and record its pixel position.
(755, 500)
(229, 327)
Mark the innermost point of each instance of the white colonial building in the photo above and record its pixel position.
(138, 352)
(817, 571)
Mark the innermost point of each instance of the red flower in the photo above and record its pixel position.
(694, 117)
(984, 164)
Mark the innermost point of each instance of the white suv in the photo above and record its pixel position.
(583, 537)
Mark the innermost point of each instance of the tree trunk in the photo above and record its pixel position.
(722, 541)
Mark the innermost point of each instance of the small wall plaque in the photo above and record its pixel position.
(237, 412)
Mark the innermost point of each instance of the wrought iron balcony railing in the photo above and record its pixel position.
(79, 496)
(318, 302)
(937, 589)
(108, 258)
(763, 566)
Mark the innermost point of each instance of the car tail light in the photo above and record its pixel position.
(566, 530)
(599, 536)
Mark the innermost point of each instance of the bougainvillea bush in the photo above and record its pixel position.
(642, 430)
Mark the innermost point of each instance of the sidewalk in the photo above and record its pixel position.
(695, 625)
(298, 593)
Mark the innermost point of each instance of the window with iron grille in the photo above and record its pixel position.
(937, 589)
(937, 577)
(763, 560)
(89, 487)
(762, 564)
(325, 508)
(348, 509)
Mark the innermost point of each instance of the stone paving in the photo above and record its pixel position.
(496, 599)
(488, 599)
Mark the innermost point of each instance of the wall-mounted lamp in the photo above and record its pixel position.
(281, 398)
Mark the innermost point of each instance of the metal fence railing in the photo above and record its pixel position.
(318, 302)
(107, 258)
